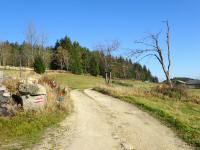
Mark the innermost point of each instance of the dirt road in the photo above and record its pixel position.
(100, 122)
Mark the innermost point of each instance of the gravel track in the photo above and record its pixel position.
(100, 122)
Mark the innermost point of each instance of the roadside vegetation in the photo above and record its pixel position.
(26, 128)
(173, 107)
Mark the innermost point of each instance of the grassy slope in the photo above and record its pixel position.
(183, 117)
(76, 81)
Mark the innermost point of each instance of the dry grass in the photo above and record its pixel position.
(125, 91)
(52, 101)
(160, 91)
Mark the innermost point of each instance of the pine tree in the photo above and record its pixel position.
(75, 59)
(94, 65)
(39, 65)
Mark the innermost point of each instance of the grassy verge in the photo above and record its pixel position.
(26, 129)
(183, 117)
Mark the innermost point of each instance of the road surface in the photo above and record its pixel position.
(100, 122)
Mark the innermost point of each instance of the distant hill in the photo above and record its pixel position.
(184, 79)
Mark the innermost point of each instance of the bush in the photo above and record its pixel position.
(39, 65)
(176, 92)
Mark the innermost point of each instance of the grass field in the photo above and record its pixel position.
(183, 117)
(76, 81)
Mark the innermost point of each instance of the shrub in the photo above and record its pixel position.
(176, 92)
(39, 65)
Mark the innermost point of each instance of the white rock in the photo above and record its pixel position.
(34, 102)
(6, 94)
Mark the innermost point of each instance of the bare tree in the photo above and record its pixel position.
(105, 51)
(31, 39)
(156, 51)
(43, 39)
(42, 51)
(63, 57)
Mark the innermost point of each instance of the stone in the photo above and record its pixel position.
(34, 102)
(28, 89)
(41, 90)
(6, 94)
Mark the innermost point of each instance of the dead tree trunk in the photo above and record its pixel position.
(156, 51)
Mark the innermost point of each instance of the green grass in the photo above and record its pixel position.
(183, 117)
(76, 81)
(26, 129)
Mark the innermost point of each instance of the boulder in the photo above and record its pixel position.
(34, 102)
(41, 90)
(28, 89)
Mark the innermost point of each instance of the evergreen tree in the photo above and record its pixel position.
(94, 65)
(75, 59)
(39, 65)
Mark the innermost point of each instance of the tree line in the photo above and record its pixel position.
(71, 56)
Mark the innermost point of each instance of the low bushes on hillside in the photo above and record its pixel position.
(176, 92)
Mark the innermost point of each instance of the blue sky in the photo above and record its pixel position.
(94, 21)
